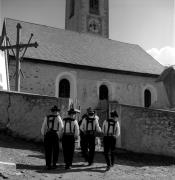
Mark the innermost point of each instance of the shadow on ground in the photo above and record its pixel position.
(125, 159)
(140, 160)
(122, 157)
(7, 141)
(60, 169)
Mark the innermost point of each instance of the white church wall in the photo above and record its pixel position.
(3, 72)
(126, 89)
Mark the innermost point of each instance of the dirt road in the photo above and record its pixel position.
(30, 162)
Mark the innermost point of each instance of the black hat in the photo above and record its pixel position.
(55, 109)
(73, 111)
(114, 114)
(90, 111)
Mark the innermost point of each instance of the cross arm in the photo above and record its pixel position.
(20, 46)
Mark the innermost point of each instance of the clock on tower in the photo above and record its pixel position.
(88, 16)
(94, 25)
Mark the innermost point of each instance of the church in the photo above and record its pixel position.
(83, 64)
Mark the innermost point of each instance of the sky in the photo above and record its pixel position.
(148, 23)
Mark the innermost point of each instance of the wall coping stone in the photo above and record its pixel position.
(27, 94)
(149, 109)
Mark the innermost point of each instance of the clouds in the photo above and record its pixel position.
(165, 56)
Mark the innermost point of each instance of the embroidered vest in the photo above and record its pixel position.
(51, 120)
(112, 123)
(71, 129)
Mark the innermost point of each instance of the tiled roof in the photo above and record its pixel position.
(70, 47)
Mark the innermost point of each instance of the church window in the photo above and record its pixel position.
(64, 88)
(147, 98)
(94, 6)
(72, 8)
(103, 92)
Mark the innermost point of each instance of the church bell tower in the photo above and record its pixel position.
(89, 16)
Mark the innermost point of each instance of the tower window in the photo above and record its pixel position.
(64, 88)
(103, 92)
(147, 98)
(94, 6)
(72, 8)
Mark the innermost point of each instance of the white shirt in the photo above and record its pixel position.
(71, 127)
(94, 126)
(58, 125)
(115, 131)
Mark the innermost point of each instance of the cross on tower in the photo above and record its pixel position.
(18, 47)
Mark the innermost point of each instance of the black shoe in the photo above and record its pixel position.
(48, 167)
(108, 168)
(67, 167)
(90, 163)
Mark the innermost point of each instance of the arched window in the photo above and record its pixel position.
(147, 98)
(94, 6)
(64, 88)
(103, 92)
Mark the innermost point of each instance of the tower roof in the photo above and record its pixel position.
(80, 49)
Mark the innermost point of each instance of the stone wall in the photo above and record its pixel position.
(146, 130)
(143, 130)
(23, 114)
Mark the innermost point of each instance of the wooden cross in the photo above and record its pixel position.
(18, 47)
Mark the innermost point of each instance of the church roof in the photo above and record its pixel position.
(58, 45)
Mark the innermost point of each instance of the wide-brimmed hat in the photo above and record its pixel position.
(90, 110)
(73, 111)
(114, 114)
(55, 109)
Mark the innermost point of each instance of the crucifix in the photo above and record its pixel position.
(18, 47)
